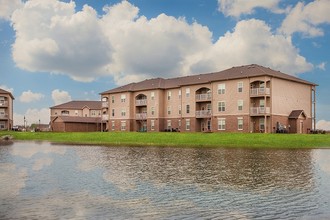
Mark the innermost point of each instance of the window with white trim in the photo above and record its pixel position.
(221, 106)
(169, 124)
(168, 110)
(240, 124)
(113, 112)
(152, 95)
(221, 124)
(112, 99)
(113, 125)
(123, 125)
(152, 125)
(123, 98)
(180, 111)
(240, 87)
(221, 88)
(169, 94)
(187, 92)
(187, 109)
(152, 110)
(240, 105)
(180, 94)
(187, 124)
(123, 112)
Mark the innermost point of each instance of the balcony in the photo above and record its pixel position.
(3, 103)
(203, 114)
(105, 117)
(259, 110)
(3, 116)
(141, 116)
(141, 102)
(105, 104)
(259, 91)
(203, 97)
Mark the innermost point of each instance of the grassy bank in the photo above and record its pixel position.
(180, 139)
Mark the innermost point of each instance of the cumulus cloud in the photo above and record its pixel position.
(29, 96)
(60, 97)
(32, 116)
(130, 47)
(238, 7)
(321, 66)
(307, 19)
(323, 124)
(251, 41)
(8, 89)
(8, 7)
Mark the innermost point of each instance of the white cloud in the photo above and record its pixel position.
(323, 124)
(321, 66)
(130, 47)
(7, 7)
(60, 97)
(251, 41)
(307, 18)
(8, 89)
(238, 7)
(32, 116)
(28, 96)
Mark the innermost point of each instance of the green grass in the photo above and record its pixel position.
(239, 140)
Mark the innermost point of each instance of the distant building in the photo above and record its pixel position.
(6, 110)
(249, 98)
(76, 116)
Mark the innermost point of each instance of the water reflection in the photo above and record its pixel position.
(41, 180)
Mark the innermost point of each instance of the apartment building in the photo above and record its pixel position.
(76, 116)
(6, 110)
(249, 98)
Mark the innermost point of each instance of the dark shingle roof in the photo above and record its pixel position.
(239, 72)
(79, 105)
(296, 113)
(2, 91)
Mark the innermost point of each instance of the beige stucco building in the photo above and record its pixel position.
(248, 98)
(6, 110)
(76, 116)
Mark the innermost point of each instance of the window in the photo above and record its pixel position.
(187, 124)
(240, 105)
(2, 125)
(240, 124)
(221, 88)
(221, 124)
(123, 125)
(76, 112)
(180, 111)
(261, 124)
(123, 112)
(152, 95)
(152, 125)
(240, 86)
(169, 94)
(169, 124)
(168, 110)
(262, 103)
(65, 112)
(152, 110)
(112, 125)
(112, 99)
(112, 112)
(123, 98)
(93, 112)
(179, 94)
(187, 109)
(179, 123)
(221, 106)
(187, 92)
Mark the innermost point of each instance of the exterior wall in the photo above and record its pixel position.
(75, 127)
(6, 106)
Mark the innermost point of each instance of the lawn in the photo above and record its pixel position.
(174, 139)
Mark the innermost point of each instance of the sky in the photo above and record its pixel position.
(54, 51)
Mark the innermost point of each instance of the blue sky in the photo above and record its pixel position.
(54, 51)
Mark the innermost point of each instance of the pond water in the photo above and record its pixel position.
(51, 181)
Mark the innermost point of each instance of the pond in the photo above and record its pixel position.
(40, 180)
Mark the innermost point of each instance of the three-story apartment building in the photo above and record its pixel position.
(6, 110)
(248, 98)
(76, 116)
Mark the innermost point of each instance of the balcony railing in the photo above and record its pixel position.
(259, 110)
(203, 97)
(3, 103)
(141, 116)
(3, 116)
(105, 104)
(140, 102)
(105, 117)
(259, 91)
(203, 114)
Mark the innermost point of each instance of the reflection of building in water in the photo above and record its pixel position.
(210, 168)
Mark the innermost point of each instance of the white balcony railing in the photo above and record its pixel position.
(105, 104)
(105, 117)
(3, 103)
(140, 102)
(203, 97)
(3, 116)
(141, 116)
(259, 110)
(203, 114)
(259, 91)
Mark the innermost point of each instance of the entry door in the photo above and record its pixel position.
(209, 125)
(301, 127)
